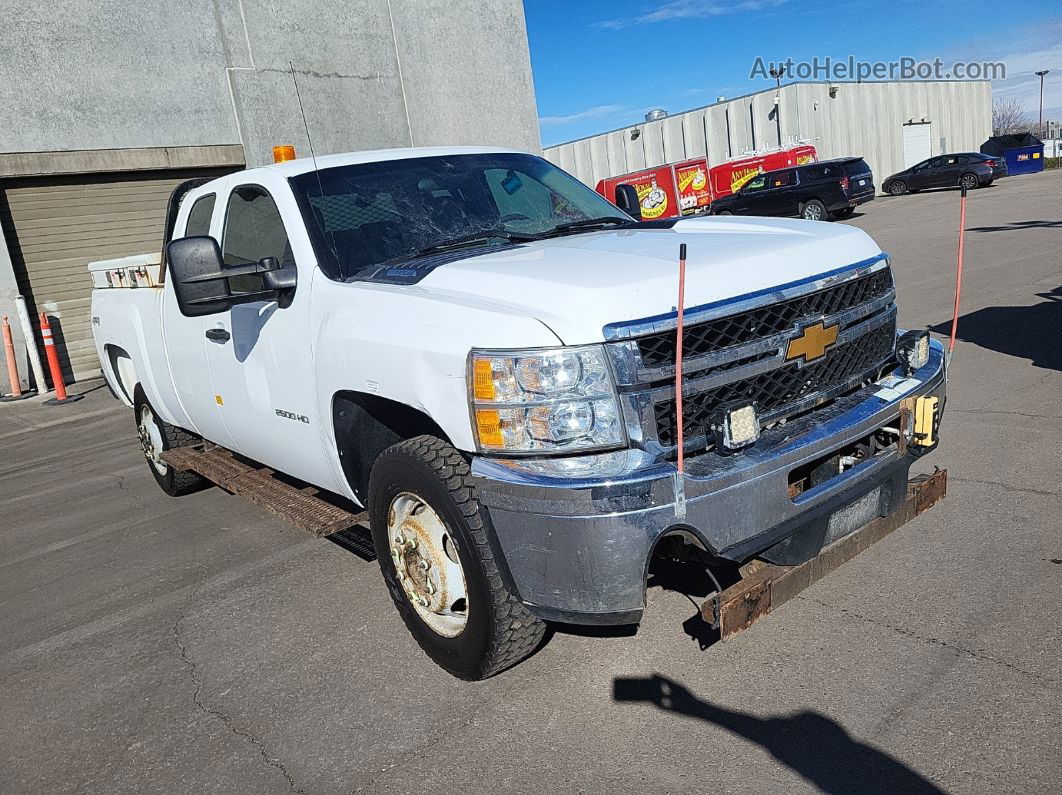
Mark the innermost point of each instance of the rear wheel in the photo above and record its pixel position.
(156, 437)
(968, 181)
(813, 210)
(431, 538)
(898, 187)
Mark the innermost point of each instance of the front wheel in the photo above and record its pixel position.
(898, 187)
(813, 210)
(431, 538)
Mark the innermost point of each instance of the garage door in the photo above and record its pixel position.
(917, 143)
(55, 226)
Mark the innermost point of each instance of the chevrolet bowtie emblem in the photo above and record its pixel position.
(812, 343)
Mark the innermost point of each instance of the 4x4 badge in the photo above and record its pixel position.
(813, 342)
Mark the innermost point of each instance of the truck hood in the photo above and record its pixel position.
(578, 284)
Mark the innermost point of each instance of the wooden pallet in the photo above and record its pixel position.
(301, 507)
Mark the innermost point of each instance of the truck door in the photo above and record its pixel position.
(259, 354)
(185, 349)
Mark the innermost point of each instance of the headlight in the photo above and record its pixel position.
(546, 401)
(912, 350)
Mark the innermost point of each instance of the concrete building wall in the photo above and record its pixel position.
(112, 74)
(840, 119)
(96, 86)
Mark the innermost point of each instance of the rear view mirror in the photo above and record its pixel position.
(627, 200)
(201, 283)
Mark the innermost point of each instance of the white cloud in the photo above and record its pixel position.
(688, 9)
(596, 112)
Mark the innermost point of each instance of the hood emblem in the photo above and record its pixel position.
(812, 342)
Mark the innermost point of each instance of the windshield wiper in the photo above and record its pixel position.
(483, 236)
(588, 224)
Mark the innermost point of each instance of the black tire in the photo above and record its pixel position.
(724, 212)
(897, 187)
(499, 630)
(813, 210)
(174, 483)
(844, 213)
(969, 181)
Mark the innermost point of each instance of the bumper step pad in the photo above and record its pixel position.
(301, 507)
(769, 586)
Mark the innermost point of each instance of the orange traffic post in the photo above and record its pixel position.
(53, 365)
(958, 273)
(12, 365)
(680, 469)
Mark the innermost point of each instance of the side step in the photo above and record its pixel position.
(769, 586)
(300, 507)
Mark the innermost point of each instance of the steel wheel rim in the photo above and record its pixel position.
(151, 439)
(427, 564)
(812, 212)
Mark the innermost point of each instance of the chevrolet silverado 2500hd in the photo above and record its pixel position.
(480, 350)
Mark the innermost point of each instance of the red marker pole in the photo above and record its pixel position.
(680, 483)
(53, 365)
(958, 271)
(678, 356)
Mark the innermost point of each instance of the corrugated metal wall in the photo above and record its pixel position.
(840, 119)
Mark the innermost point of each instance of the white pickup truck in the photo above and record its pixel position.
(480, 350)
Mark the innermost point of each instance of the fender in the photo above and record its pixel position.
(407, 346)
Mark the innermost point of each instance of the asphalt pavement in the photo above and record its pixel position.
(201, 645)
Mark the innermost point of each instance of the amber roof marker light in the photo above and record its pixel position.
(282, 154)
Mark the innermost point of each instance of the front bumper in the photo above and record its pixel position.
(577, 534)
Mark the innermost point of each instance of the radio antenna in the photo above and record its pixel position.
(313, 156)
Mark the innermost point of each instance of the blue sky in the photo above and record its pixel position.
(600, 64)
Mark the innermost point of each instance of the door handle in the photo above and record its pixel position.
(218, 335)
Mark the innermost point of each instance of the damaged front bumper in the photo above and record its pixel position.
(577, 534)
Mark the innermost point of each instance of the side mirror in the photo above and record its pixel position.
(201, 278)
(627, 200)
(197, 273)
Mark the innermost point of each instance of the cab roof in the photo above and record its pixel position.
(302, 165)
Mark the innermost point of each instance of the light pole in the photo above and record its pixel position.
(777, 73)
(1041, 74)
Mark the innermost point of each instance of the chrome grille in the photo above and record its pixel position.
(736, 351)
(702, 338)
(776, 389)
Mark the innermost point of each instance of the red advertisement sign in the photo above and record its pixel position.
(726, 178)
(690, 186)
(694, 192)
(656, 191)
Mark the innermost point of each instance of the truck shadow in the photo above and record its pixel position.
(812, 745)
(1026, 332)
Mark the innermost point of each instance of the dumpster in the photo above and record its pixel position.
(1023, 153)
